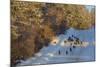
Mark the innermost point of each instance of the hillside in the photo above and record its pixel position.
(34, 25)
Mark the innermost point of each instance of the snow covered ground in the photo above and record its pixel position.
(66, 54)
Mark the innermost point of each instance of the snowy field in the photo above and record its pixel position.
(66, 54)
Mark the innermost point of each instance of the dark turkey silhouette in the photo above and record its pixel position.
(66, 52)
(70, 49)
(59, 52)
(70, 39)
(74, 46)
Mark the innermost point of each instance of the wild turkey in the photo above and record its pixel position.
(66, 52)
(70, 49)
(74, 46)
(59, 52)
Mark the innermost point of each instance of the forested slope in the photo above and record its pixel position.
(33, 25)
